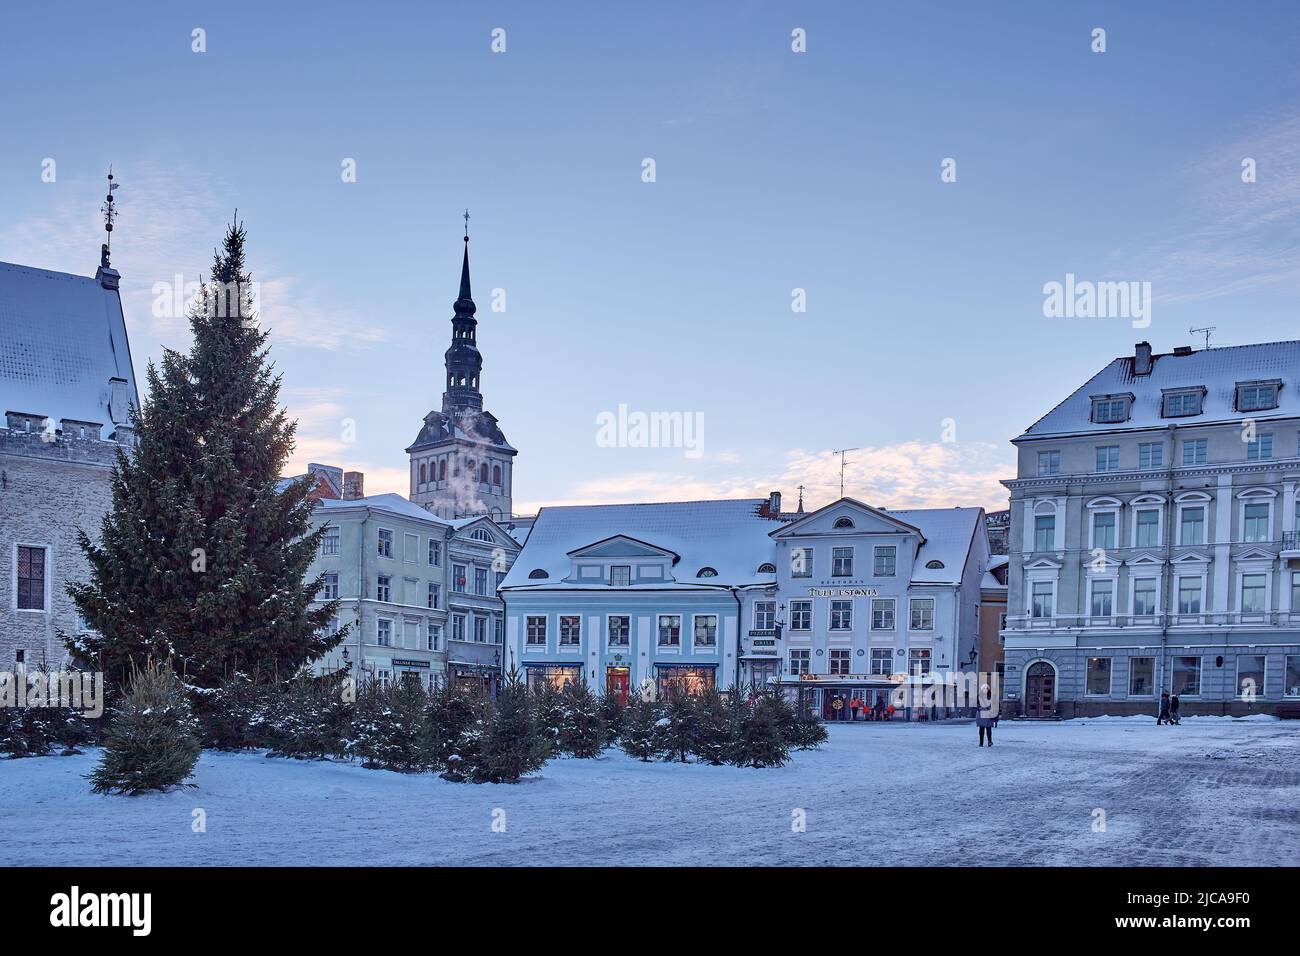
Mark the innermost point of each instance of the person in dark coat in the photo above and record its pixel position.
(984, 721)
(1173, 710)
(1164, 717)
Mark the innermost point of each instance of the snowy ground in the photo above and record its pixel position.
(1212, 791)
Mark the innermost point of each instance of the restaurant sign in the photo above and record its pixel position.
(842, 592)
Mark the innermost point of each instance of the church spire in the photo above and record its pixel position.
(464, 363)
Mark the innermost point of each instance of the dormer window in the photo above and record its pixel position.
(707, 573)
(1257, 396)
(767, 568)
(1182, 402)
(620, 575)
(537, 574)
(1111, 409)
(844, 522)
(934, 565)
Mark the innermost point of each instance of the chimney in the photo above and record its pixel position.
(354, 484)
(1142, 359)
(774, 503)
(118, 404)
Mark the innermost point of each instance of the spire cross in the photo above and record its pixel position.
(466, 217)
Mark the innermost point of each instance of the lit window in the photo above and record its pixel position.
(1098, 684)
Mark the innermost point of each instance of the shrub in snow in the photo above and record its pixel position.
(152, 742)
(715, 736)
(763, 734)
(390, 728)
(582, 732)
(512, 747)
(675, 735)
(36, 731)
(308, 717)
(227, 714)
(612, 710)
(806, 732)
(455, 724)
(638, 737)
(548, 710)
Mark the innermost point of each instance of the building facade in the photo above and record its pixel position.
(461, 464)
(1153, 539)
(67, 390)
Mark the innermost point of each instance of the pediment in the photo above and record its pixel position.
(621, 546)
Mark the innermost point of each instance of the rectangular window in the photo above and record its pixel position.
(481, 581)
(458, 578)
(1195, 451)
(1148, 528)
(435, 553)
(329, 586)
(620, 575)
(918, 660)
(410, 548)
(570, 630)
(885, 561)
(1041, 604)
(1250, 676)
(1261, 449)
(1191, 528)
(1109, 410)
(842, 562)
(922, 614)
(1291, 679)
(1098, 677)
(329, 541)
(433, 637)
(1103, 598)
(1141, 676)
(840, 662)
(498, 630)
(1186, 677)
(801, 615)
(1182, 404)
(435, 593)
(764, 615)
(1189, 595)
(881, 660)
(670, 630)
(1108, 457)
(1044, 532)
(799, 661)
(383, 632)
(384, 588)
(385, 543)
(1256, 398)
(1151, 454)
(535, 629)
(1255, 523)
(31, 578)
(1144, 597)
(480, 629)
(1103, 530)
(706, 630)
(1295, 592)
(801, 562)
(841, 615)
(1049, 463)
(498, 579)
(458, 627)
(882, 614)
(620, 630)
(1253, 590)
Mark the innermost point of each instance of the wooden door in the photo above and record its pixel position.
(1040, 690)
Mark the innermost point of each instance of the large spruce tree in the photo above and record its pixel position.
(201, 561)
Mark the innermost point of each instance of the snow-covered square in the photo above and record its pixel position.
(1213, 791)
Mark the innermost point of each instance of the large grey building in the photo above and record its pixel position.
(1153, 540)
(66, 390)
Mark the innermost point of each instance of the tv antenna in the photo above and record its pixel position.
(843, 461)
(1206, 331)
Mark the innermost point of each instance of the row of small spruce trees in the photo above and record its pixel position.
(159, 727)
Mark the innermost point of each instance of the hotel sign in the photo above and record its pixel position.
(399, 662)
(840, 678)
(842, 592)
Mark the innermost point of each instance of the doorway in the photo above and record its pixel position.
(618, 680)
(1040, 690)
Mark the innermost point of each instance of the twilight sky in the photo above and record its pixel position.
(774, 171)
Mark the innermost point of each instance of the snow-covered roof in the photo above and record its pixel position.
(727, 535)
(394, 504)
(62, 338)
(1218, 370)
(948, 533)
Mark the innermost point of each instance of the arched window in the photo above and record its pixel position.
(483, 473)
(478, 534)
(844, 522)
(423, 473)
(536, 574)
(934, 565)
(496, 474)
(706, 573)
(767, 568)
(442, 470)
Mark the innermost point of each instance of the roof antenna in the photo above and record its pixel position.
(843, 461)
(110, 215)
(1207, 330)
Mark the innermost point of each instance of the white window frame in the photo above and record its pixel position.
(531, 630)
(1136, 575)
(695, 623)
(1158, 447)
(801, 607)
(885, 655)
(334, 537)
(379, 638)
(1248, 570)
(800, 660)
(892, 605)
(659, 632)
(837, 557)
(1147, 503)
(1109, 460)
(574, 638)
(912, 603)
(1113, 581)
(1255, 496)
(1106, 508)
(1053, 463)
(846, 624)
(627, 569)
(1195, 444)
(1193, 500)
(381, 541)
(609, 631)
(808, 555)
(883, 550)
(1087, 672)
(767, 608)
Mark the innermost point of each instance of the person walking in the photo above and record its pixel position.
(1163, 718)
(985, 719)
(1173, 710)
(855, 705)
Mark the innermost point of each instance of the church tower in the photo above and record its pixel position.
(461, 463)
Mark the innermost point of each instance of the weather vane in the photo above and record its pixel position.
(467, 225)
(110, 215)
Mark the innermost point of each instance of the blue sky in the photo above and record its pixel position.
(774, 171)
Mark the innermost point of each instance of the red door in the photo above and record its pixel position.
(617, 682)
(1040, 690)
